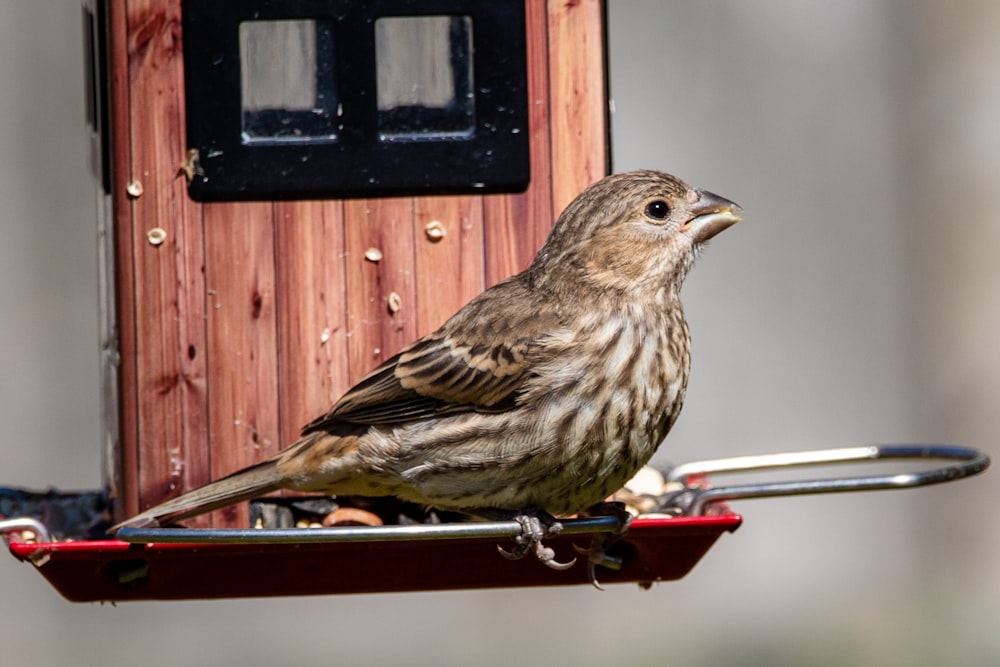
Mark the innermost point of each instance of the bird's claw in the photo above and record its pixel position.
(533, 531)
(597, 553)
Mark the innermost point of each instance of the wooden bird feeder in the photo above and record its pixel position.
(299, 189)
(289, 193)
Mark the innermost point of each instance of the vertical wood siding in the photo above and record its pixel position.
(250, 319)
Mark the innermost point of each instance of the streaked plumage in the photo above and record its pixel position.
(546, 392)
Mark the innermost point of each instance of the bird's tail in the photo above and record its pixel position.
(243, 485)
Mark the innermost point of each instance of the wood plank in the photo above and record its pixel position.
(125, 488)
(578, 97)
(450, 268)
(242, 340)
(168, 308)
(383, 226)
(312, 311)
(516, 225)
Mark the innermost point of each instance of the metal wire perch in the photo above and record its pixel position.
(694, 500)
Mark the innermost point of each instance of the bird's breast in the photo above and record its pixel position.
(601, 408)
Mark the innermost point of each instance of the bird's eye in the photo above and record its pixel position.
(657, 210)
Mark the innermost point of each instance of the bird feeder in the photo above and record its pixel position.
(289, 193)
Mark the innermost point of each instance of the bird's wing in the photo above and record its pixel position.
(478, 361)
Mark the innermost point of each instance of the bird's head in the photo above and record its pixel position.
(636, 231)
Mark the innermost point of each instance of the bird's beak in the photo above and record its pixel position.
(710, 215)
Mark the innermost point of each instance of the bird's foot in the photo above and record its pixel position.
(597, 553)
(536, 526)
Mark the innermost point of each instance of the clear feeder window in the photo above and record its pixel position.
(424, 88)
(287, 81)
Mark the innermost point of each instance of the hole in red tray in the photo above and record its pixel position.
(128, 572)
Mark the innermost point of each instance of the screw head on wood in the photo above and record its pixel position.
(435, 231)
(395, 302)
(156, 236)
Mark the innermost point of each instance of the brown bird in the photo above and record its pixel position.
(539, 398)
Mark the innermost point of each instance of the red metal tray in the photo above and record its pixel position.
(655, 549)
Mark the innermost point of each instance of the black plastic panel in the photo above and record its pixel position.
(331, 139)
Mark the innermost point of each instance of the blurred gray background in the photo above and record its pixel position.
(856, 303)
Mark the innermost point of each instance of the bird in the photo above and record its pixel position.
(539, 398)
